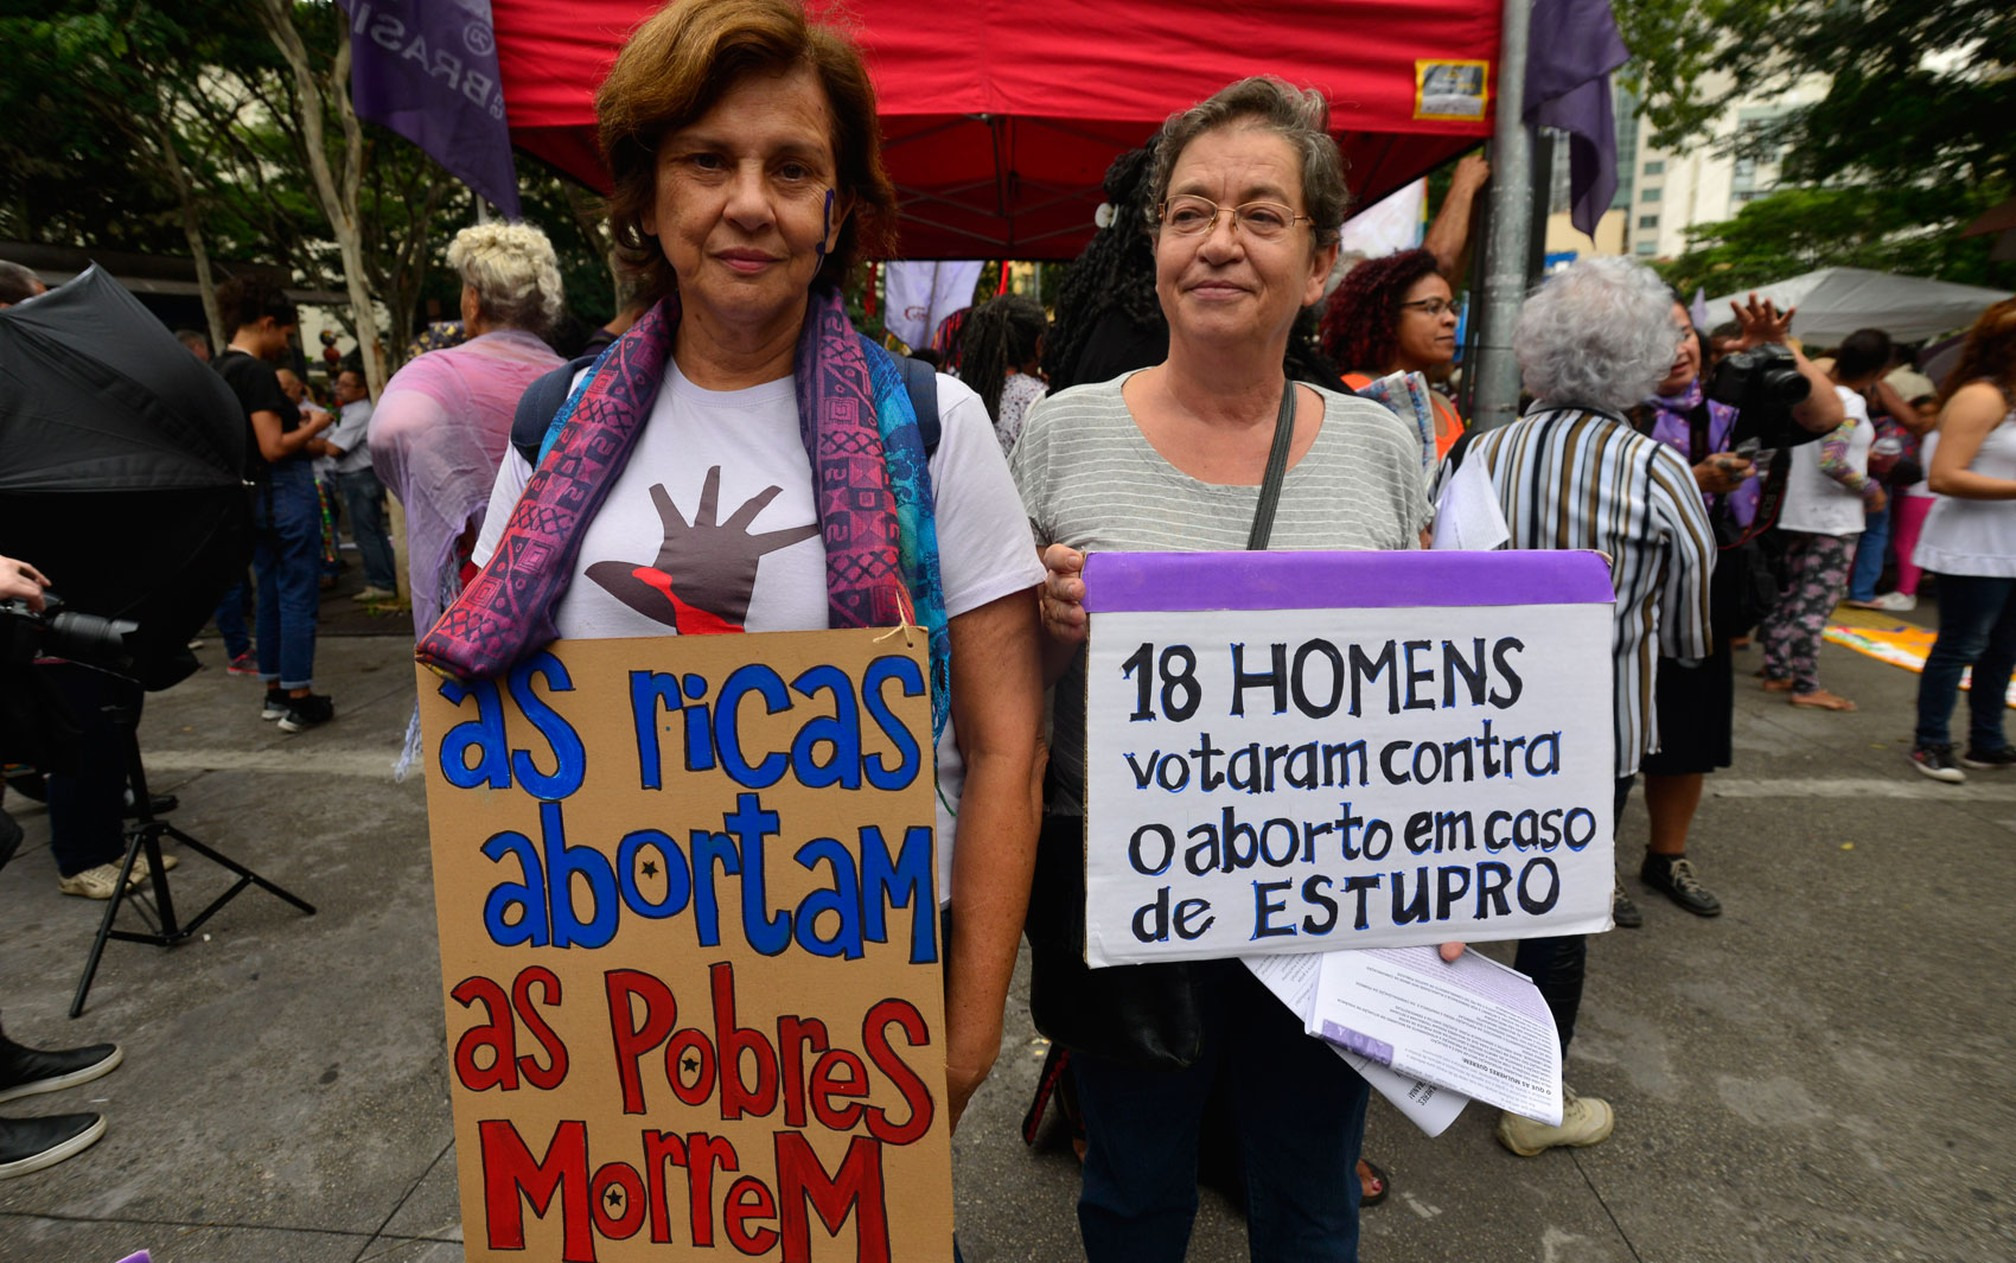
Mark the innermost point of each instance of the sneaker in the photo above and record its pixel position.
(1623, 911)
(27, 1071)
(276, 704)
(1675, 879)
(169, 863)
(307, 712)
(2000, 757)
(1937, 763)
(243, 664)
(376, 594)
(1584, 1121)
(29, 1144)
(100, 882)
(1894, 602)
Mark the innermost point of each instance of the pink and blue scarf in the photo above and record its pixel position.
(873, 490)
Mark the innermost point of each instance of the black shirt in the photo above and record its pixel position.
(257, 385)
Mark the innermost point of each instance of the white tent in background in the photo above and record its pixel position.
(1835, 302)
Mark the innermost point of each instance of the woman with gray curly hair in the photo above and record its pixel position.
(1573, 473)
(444, 421)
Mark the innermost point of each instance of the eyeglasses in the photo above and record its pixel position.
(1433, 306)
(1265, 221)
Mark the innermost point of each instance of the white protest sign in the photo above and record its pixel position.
(1302, 752)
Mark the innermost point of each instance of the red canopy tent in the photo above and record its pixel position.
(999, 119)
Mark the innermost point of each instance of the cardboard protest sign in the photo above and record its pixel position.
(1301, 752)
(690, 946)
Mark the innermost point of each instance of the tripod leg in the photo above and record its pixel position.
(105, 925)
(204, 849)
(164, 903)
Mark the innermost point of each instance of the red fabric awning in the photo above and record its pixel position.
(999, 119)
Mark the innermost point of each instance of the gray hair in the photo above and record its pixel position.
(17, 284)
(1597, 335)
(1269, 104)
(514, 272)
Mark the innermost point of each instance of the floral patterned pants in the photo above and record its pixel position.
(1816, 576)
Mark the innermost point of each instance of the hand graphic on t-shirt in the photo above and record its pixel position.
(706, 570)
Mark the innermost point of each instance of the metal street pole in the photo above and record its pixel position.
(1511, 229)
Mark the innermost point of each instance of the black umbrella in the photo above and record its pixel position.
(121, 466)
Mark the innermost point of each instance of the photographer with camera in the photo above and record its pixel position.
(1696, 698)
(1826, 494)
(29, 1144)
(86, 771)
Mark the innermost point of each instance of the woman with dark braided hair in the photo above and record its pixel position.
(1396, 315)
(1109, 320)
(1002, 344)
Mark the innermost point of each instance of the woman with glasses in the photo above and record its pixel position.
(1246, 191)
(747, 176)
(1396, 315)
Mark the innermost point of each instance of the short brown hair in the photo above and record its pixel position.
(680, 62)
(1270, 104)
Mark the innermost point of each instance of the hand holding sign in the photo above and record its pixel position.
(1297, 752)
(1064, 619)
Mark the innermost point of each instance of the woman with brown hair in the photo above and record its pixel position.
(742, 459)
(1396, 315)
(1969, 541)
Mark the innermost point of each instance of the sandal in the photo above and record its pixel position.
(1821, 699)
(1373, 1183)
(1775, 685)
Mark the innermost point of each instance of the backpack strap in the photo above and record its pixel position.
(920, 380)
(540, 403)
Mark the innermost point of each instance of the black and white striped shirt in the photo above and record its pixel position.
(1574, 478)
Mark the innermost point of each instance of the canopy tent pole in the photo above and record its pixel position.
(1511, 229)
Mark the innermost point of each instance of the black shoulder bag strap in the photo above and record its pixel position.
(1699, 422)
(1277, 468)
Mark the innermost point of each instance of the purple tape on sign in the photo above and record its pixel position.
(1117, 582)
(142, 1257)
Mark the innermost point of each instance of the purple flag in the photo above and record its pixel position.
(427, 69)
(1574, 48)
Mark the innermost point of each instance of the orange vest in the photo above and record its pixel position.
(1448, 422)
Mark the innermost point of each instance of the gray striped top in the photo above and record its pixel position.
(1090, 479)
(1570, 478)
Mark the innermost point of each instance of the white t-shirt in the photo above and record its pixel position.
(1816, 503)
(749, 440)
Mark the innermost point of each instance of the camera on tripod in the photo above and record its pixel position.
(57, 632)
(1763, 384)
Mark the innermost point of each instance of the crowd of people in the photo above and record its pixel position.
(1196, 391)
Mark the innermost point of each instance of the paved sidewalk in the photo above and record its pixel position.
(1820, 1074)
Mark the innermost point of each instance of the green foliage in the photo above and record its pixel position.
(126, 97)
(1798, 230)
(75, 99)
(1912, 138)
(1921, 92)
